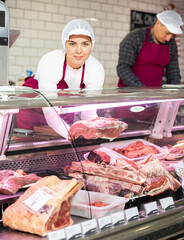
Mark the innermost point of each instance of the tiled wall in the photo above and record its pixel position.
(41, 23)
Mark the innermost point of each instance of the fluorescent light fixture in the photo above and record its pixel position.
(89, 107)
(137, 109)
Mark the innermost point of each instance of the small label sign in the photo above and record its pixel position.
(132, 214)
(151, 208)
(89, 227)
(118, 218)
(104, 223)
(167, 203)
(38, 199)
(73, 232)
(57, 235)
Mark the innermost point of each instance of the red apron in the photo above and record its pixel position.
(150, 63)
(28, 118)
(33, 83)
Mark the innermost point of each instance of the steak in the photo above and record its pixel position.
(136, 150)
(99, 157)
(11, 181)
(102, 155)
(44, 207)
(100, 127)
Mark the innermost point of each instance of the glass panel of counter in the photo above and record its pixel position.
(141, 109)
(137, 163)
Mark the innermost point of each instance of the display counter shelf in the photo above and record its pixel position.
(154, 115)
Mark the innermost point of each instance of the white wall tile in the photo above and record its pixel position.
(23, 4)
(30, 14)
(84, 4)
(37, 6)
(43, 16)
(73, 3)
(11, 3)
(41, 23)
(37, 25)
(23, 23)
(51, 8)
(30, 52)
(36, 43)
(24, 61)
(28, 34)
(17, 13)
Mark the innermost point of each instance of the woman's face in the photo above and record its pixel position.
(78, 49)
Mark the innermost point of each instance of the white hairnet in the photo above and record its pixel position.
(77, 27)
(171, 20)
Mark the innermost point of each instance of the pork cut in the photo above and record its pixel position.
(100, 127)
(11, 181)
(44, 207)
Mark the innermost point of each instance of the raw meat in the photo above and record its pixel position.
(157, 187)
(174, 154)
(127, 164)
(109, 186)
(98, 184)
(169, 166)
(153, 169)
(100, 127)
(108, 171)
(102, 154)
(137, 149)
(11, 181)
(44, 207)
(99, 157)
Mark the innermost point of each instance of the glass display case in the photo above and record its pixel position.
(138, 168)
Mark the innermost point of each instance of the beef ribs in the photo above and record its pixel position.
(100, 127)
(32, 213)
(108, 171)
(109, 186)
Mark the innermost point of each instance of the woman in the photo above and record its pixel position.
(71, 68)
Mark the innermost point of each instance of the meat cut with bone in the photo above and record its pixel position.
(107, 185)
(53, 215)
(153, 169)
(111, 172)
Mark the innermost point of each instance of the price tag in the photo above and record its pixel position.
(57, 235)
(151, 208)
(105, 223)
(89, 227)
(37, 200)
(131, 214)
(167, 203)
(73, 232)
(118, 218)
